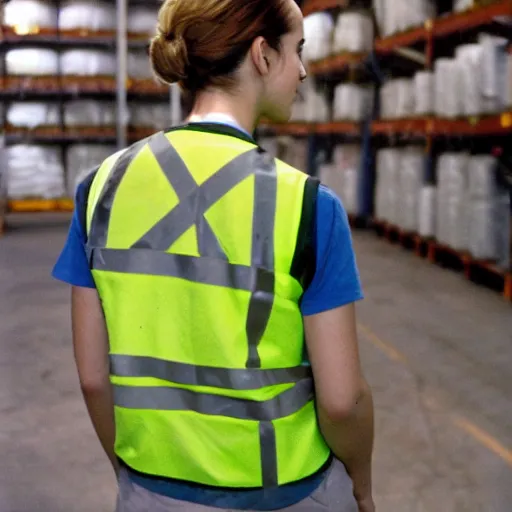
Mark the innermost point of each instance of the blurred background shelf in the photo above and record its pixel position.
(335, 64)
(40, 205)
(426, 98)
(473, 126)
(312, 6)
(476, 17)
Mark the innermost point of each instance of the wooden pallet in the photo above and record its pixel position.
(482, 272)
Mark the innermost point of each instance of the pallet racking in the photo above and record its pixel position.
(495, 129)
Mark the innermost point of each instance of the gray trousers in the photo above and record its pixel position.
(333, 495)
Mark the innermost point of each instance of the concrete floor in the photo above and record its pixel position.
(437, 351)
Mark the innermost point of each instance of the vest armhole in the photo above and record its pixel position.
(304, 260)
(82, 199)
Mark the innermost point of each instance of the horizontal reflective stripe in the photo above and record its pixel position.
(193, 375)
(199, 270)
(175, 399)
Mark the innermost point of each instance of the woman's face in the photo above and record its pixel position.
(285, 77)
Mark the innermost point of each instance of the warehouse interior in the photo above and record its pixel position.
(406, 115)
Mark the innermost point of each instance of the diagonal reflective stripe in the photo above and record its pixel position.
(183, 184)
(199, 270)
(208, 243)
(101, 217)
(261, 303)
(172, 166)
(176, 399)
(268, 454)
(194, 375)
(184, 215)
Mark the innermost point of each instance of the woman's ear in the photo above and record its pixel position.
(260, 55)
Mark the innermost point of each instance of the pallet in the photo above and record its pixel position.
(482, 272)
(357, 221)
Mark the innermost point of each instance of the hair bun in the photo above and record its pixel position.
(169, 58)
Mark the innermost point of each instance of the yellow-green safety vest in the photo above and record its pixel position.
(194, 241)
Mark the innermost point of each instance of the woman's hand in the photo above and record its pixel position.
(366, 504)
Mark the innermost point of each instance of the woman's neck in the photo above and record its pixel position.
(242, 110)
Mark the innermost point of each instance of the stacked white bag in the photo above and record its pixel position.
(294, 151)
(352, 102)
(34, 171)
(427, 211)
(469, 58)
(312, 105)
(423, 93)
(452, 204)
(89, 113)
(488, 211)
(399, 185)
(30, 115)
(474, 82)
(447, 93)
(353, 32)
(400, 15)
(495, 84)
(142, 20)
(397, 99)
(82, 159)
(32, 62)
(155, 116)
(3, 178)
(412, 161)
(87, 15)
(139, 65)
(84, 62)
(342, 176)
(387, 185)
(318, 32)
(29, 14)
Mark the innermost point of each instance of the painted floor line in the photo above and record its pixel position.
(484, 438)
(384, 346)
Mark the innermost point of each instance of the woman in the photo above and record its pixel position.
(199, 265)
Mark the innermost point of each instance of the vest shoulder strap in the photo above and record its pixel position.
(82, 198)
(304, 260)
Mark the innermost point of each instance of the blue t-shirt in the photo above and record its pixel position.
(335, 283)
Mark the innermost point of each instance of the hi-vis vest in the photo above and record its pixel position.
(195, 245)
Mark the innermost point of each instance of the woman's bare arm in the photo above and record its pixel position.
(344, 400)
(91, 347)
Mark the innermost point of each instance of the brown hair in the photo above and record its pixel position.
(202, 42)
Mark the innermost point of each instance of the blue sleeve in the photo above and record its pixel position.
(336, 281)
(72, 266)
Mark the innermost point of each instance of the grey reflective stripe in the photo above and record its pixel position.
(208, 243)
(101, 218)
(268, 454)
(176, 399)
(185, 214)
(199, 270)
(193, 375)
(184, 185)
(264, 214)
(172, 166)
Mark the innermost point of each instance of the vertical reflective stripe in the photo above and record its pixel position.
(268, 454)
(262, 299)
(185, 214)
(101, 218)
